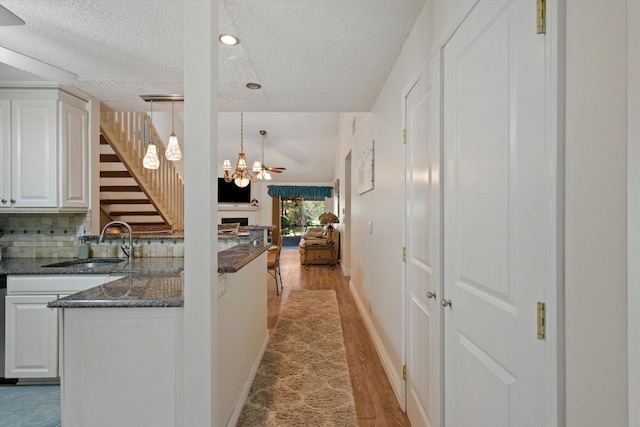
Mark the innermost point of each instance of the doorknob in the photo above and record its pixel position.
(431, 295)
(446, 302)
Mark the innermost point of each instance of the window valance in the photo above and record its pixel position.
(306, 191)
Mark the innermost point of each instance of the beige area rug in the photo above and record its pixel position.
(303, 379)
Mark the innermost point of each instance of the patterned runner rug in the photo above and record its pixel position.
(303, 379)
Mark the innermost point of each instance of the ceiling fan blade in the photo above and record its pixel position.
(276, 169)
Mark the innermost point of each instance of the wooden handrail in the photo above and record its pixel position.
(126, 131)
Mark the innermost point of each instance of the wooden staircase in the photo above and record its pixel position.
(151, 201)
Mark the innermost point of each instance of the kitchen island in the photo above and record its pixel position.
(122, 341)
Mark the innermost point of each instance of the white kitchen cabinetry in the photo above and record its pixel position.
(44, 142)
(31, 337)
(74, 137)
(32, 330)
(125, 358)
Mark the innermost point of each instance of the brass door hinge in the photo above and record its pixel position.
(404, 136)
(404, 254)
(541, 320)
(541, 17)
(404, 372)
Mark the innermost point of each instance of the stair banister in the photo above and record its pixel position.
(125, 131)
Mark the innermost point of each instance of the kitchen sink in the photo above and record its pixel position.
(87, 263)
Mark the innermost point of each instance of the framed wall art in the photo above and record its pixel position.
(366, 169)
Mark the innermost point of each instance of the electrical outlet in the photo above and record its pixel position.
(221, 287)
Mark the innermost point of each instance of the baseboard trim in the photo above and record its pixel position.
(346, 272)
(246, 388)
(394, 378)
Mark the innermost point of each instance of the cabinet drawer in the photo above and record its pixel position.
(55, 284)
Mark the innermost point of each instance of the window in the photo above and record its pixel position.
(297, 214)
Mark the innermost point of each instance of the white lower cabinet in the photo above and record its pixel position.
(123, 367)
(31, 337)
(32, 330)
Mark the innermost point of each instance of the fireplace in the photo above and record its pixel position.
(243, 221)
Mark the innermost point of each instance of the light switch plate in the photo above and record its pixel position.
(370, 227)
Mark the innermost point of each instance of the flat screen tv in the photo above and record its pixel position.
(229, 192)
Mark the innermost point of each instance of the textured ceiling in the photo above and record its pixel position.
(308, 55)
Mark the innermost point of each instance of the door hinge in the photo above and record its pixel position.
(404, 136)
(404, 372)
(541, 320)
(541, 17)
(404, 254)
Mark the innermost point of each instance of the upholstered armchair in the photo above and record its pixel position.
(320, 246)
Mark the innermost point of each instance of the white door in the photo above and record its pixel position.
(423, 272)
(498, 218)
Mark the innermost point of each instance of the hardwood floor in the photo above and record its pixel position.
(376, 404)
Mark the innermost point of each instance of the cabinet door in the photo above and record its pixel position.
(31, 341)
(73, 157)
(34, 153)
(5, 150)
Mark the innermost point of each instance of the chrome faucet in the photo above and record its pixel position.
(128, 250)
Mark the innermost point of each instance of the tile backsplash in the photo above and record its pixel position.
(54, 236)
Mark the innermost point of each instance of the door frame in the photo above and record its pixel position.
(439, 291)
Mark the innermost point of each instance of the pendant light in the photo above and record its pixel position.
(151, 160)
(173, 152)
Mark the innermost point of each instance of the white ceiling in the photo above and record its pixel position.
(310, 56)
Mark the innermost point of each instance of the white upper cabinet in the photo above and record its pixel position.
(44, 141)
(74, 145)
(5, 150)
(33, 154)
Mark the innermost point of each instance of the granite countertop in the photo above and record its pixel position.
(233, 259)
(147, 282)
(33, 266)
(134, 290)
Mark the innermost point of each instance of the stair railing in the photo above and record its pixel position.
(126, 132)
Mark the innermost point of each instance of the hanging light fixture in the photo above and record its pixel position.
(264, 173)
(173, 152)
(151, 160)
(241, 176)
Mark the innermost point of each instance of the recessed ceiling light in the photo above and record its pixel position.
(253, 86)
(228, 39)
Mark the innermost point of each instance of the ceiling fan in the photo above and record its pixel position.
(265, 171)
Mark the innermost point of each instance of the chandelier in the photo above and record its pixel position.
(242, 175)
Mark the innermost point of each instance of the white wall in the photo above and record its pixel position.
(376, 257)
(595, 201)
(596, 313)
(633, 178)
(201, 261)
(240, 328)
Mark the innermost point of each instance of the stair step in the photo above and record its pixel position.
(125, 202)
(134, 213)
(120, 188)
(109, 158)
(115, 174)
